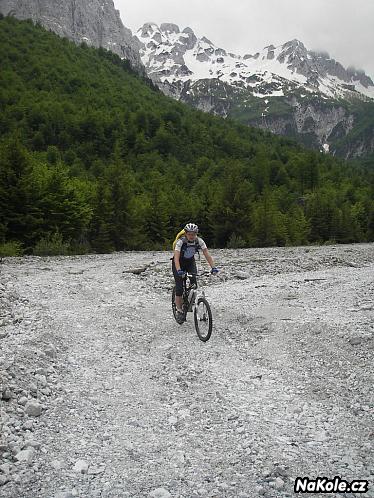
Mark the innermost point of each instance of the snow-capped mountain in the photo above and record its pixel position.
(285, 89)
(172, 57)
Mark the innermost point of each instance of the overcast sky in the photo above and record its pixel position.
(343, 28)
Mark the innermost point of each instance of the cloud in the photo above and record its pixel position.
(342, 28)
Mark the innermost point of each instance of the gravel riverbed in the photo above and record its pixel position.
(103, 394)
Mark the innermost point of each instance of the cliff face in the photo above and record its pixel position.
(95, 22)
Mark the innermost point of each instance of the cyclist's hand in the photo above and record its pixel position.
(181, 273)
(214, 270)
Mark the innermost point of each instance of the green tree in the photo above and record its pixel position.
(20, 216)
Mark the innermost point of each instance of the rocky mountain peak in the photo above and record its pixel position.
(169, 28)
(148, 29)
(188, 31)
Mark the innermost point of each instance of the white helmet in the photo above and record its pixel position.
(191, 227)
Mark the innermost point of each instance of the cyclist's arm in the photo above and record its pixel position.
(176, 260)
(208, 257)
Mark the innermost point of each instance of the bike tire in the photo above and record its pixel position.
(203, 335)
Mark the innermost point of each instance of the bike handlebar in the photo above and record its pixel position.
(198, 274)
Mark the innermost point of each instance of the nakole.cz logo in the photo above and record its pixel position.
(325, 485)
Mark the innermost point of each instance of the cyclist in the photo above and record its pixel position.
(184, 261)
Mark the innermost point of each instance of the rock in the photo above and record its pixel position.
(31, 443)
(3, 479)
(28, 425)
(81, 466)
(367, 307)
(7, 394)
(137, 271)
(5, 468)
(33, 408)
(64, 494)
(240, 275)
(41, 379)
(57, 464)
(172, 420)
(25, 455)
(94, 471)
(160, 493)
(50, 351)
(22, 401)
(355, 341)
(278, 483)
(128, 445)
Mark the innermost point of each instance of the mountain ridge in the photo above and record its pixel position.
(171, 55)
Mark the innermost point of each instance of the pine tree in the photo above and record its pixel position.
(19, 213)
(100, 227)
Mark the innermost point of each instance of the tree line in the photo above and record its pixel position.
(95, 158)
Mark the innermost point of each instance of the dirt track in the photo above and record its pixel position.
(133, 404)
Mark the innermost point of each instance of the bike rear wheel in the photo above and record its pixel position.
(203, 319)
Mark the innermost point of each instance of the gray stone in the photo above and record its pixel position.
(279, 483)
(41, 379)
(28, 425)
(31, 443)
(94, 471)
(240, 275)
(367, 307)
(5, 468)
(160, 493)
(33, 408)
(355, 341)
(3, 479)
(25, 455)
(57, 464)
(6, 394)
(81, 466)
(50, 351)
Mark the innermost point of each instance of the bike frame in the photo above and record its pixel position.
(187, 288)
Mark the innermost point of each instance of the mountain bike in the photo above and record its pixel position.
(196, 304)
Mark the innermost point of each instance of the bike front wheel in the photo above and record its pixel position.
(203, 319)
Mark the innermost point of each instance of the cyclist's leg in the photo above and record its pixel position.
(192, 268)
(178, 288)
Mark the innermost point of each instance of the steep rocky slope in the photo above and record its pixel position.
(95, 22)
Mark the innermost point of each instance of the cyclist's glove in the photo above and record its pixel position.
(214, 270)
(181, 273)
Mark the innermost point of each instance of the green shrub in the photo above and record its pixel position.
(10, 249)
(52, 245)
(236, 242)
(81, 247)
